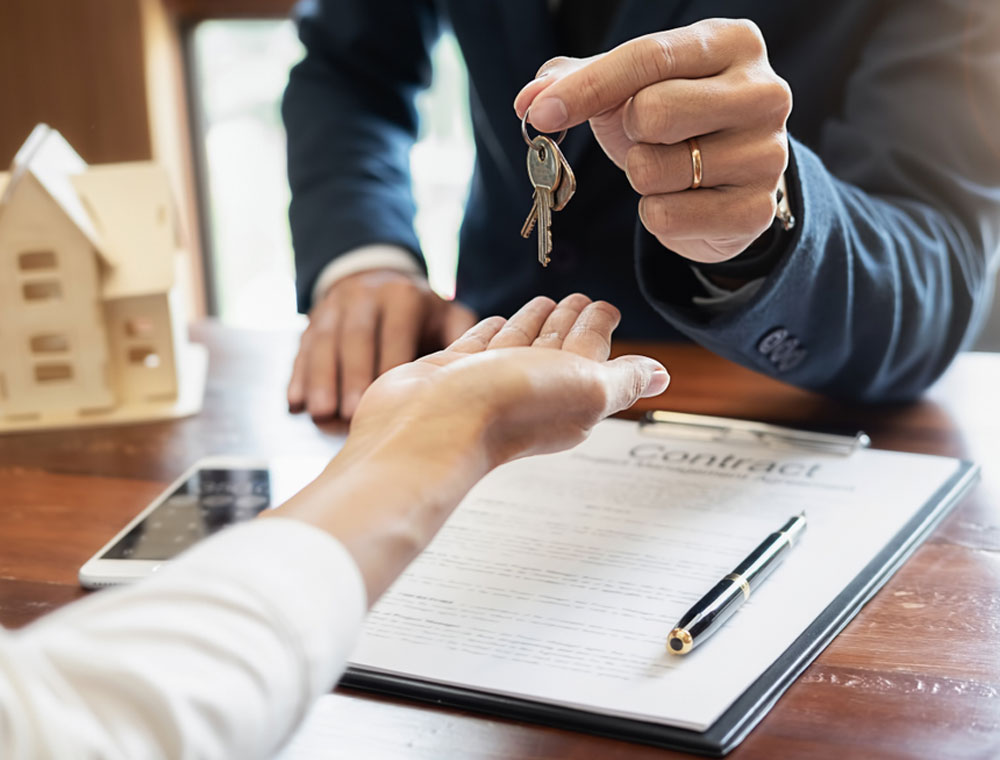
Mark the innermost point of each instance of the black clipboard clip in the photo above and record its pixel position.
(706, 428)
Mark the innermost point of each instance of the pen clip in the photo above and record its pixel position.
(728, 429)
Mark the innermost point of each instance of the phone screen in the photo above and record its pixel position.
(206, 502)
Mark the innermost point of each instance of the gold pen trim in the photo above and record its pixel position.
(679, 641)
(742, 582)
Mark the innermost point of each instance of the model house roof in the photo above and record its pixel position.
(52, 161)
(123, 210)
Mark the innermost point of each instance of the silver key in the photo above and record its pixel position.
(544, 170)
(567, 182)
(564, 192)
(529, 223)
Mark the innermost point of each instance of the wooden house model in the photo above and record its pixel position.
(92, 326)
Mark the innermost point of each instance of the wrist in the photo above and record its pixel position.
(437, 453)
(365, 258)
(385, 500)
(764, 254)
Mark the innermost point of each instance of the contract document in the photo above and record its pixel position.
(556, 581)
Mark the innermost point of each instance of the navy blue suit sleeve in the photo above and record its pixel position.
(890, 271)
(349, 109)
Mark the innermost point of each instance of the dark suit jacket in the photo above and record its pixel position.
(894, 177)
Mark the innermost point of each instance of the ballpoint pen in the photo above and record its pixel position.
(712, 610)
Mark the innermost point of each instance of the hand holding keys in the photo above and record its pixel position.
(554, 184)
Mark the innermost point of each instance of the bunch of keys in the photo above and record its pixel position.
(554, 184)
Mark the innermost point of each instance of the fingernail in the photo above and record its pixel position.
(520, 94)
(538, 78)
(549, 114)
(658, 383)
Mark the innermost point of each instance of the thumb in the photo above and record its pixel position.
(549, 113)
(629, 378)
(551, 72)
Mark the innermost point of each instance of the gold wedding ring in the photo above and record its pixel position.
(695, 163)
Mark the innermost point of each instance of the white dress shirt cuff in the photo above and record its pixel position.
(378, 256)
(719, 299)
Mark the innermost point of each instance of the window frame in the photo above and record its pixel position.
(185, 16)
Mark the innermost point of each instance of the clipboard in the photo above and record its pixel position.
(754, 703)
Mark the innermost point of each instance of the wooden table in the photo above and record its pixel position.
(915, 675)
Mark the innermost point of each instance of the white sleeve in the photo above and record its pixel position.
(220, 655)
(720, 299)
(379, 256)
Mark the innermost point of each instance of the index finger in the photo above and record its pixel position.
(700, 50)
(477, 337)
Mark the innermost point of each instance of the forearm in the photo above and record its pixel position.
(351, 121)
(385, 500)
(222, 653)
(905, 279)
(874, 296)
(350, 182)
(219, 655)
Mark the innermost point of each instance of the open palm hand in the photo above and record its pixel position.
(535, 383)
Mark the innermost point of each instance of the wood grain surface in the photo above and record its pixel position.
(77, 66)
(915, 675)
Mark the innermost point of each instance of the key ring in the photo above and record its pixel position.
(524, 129)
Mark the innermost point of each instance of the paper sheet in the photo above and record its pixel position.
(559, 577)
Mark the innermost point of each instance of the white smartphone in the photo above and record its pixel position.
(214, 493)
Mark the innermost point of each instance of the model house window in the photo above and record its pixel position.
(238, 72)
(41, 290)
(145, 356)
(33, 261)
(52, 373)
(49, 344)
(139, 327)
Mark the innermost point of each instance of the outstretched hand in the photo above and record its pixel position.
(535, 383)
(426, 432)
